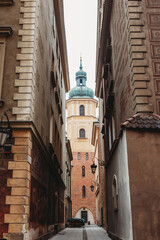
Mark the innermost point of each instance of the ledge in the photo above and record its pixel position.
(5, 31)
(4, 3)
(82, 138)
(113, 236)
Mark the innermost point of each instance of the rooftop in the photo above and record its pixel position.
(139, 121)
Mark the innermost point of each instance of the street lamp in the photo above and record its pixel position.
(92, 186)
(5, 132)
(94, 166)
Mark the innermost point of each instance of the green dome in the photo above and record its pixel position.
(81, 73)
(81, 90)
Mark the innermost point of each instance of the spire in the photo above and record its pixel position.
(80, 63)
(81, 90)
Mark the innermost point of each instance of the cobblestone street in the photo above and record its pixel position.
(92, 232)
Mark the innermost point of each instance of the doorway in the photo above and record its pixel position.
(84, 216)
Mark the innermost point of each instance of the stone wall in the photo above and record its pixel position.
(151, 17)
(135, 41)
(4, 190)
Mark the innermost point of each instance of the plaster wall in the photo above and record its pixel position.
(119, 222)
(103, 148)
(9, 16)
(44, 92)
(26, 86)
(75, 122)
(74, 104)
(143, 163)
(74, 125)
(98, 184)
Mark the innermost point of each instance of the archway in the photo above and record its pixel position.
(85, 211)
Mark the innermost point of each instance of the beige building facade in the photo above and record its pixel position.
(98, 182)
(33, 82)
(67, 171)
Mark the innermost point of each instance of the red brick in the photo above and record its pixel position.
(77, 181)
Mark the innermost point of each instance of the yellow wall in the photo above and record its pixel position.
(75, 122)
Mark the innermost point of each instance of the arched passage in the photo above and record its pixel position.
(82, 212)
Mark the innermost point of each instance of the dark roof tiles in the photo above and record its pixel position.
(139, 121)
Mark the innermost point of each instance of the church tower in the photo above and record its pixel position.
(81, 107)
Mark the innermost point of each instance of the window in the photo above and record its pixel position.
(59, 64)
(51, 126)
(80, 81)
(83, 171)
(2, 54)
(81, 110)
(79, 156)
(82, 133)
(57, 48)
(86, 156)
(61, 81)
(53, 25)
(53, 80)
(83, 192)
(115, 192)
(111, 130)
(4, 33)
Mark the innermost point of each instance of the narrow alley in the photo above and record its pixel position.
(89, 232)
(79, 119)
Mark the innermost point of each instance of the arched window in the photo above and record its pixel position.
(115, 192)
(82, 133)
(83, 171)
(83, 192)
(81, 110)
(86, 156)
(79, 156)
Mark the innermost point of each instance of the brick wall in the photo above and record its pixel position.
(77, 181)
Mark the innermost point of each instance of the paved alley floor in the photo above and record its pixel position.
(92, 232)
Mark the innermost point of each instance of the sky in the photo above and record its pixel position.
(81, 29)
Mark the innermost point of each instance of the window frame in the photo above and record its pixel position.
(82, 133)
(83, 191)
(83, 171)
(115, 192)
(82, 110)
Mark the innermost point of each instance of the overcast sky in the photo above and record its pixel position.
(81, 30)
